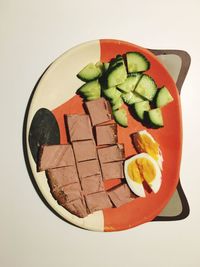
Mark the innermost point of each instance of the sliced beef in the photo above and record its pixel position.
(67, 193)
(71, 198)
(120, 195)
(77, 207)
(98, 201)
(88, 168)
(92, 184)
(78, 127)
(99, 111)
(111, 153)
(112, 170)
(54, 156)
(62, 176)
(84, 150)
(106, 134)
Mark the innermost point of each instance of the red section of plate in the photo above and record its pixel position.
(169, 137)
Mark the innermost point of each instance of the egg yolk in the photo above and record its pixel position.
(141, 169)
(146, 144)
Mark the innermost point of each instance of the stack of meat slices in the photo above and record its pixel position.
(76, 171)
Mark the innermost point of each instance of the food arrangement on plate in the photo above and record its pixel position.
(78, 171)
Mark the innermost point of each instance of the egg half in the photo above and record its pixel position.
(144, 142)
(139, 168)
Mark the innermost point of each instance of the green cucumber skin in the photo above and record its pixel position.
(152, 121)
(120, 117)
(131, 98)
(138, 106)
(112, 93)
(137, 55)
(130, 83)
(88, 80)
(81, 75)
(117, 103)
(163, 97)
(145, 92)
(106, 66)
(90, 90)
(111, 71)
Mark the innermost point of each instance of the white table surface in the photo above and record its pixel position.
(32, 35)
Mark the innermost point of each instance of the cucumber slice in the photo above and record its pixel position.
(116, 75)
(163, 97)
(112, 93)
(120, 117)
(89, 73)
(100, 66)
(116, 60)
(131, 98)
(155, 117)
(116, 103)
(130, 83)
(140, 109)
(90, 90)
(136, 62)
(146, 87)
(106, 65)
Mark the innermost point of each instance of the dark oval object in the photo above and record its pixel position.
(44, 130)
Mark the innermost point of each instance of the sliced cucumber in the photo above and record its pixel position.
(163, 97)
(106, 65)
(155, 117)
(100, 66)
(90, 90)
(131, 98)
(130, 83)
(146, 87)
(136, 62)
(116, 60)
(120, 116)
(116, 75)
(89, 73)
(112, 93)
(140, 109)
(116, 103)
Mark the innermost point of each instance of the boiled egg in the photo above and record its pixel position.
(144, 142)
(139, 168)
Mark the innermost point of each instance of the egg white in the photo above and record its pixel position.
(137, 188)
(160, 157)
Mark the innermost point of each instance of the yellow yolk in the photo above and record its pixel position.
(146, 144)
(141, 169)
(134, 172)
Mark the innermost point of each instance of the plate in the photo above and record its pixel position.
(55, 92)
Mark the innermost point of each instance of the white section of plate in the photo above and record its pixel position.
(58, 84)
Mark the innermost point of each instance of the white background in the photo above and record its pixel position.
(32, 35)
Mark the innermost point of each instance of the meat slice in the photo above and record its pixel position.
(106, 134)
(71, 198)
(67, 193)
(92, 184)
(62, 176)
(54, 156)
(99, 111)
(111, 153)
(98, 201)
(88, 168)
(78, 127)
(112, 170)
(120, 195)
(77, 207)
(84, 150)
